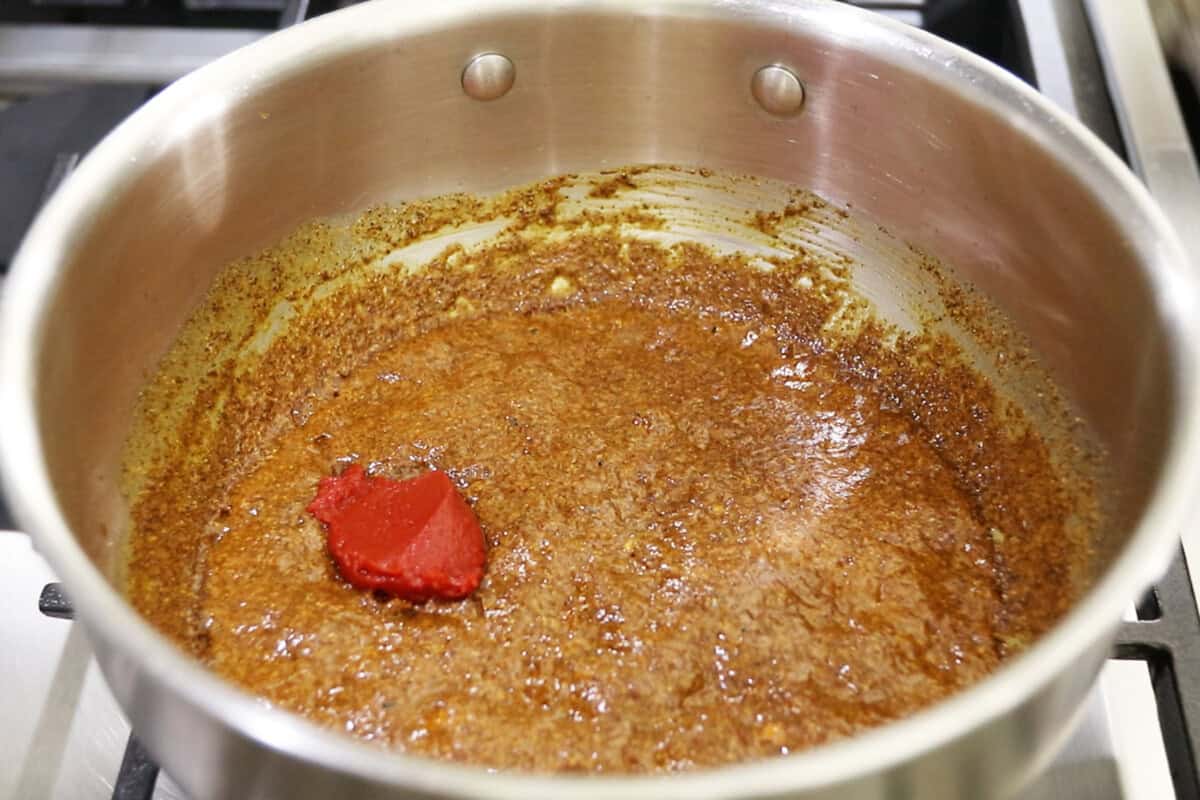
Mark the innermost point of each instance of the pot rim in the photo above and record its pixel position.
(35, 276)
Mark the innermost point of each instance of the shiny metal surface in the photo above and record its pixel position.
(49, 55)
(1156, 139)
(1064, 63)
(46, 56)
(488, 76)
(941, 148)
(777, 89)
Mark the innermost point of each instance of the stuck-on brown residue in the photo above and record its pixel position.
(730, 511)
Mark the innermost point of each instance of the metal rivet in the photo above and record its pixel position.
(777, 90)
(488, 76)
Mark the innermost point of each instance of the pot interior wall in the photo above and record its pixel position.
(227, 169)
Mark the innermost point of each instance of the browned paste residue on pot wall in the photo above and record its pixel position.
(720, 527)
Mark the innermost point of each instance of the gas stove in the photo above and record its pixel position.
(72, 69)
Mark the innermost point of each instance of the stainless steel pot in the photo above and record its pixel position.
(368, 104)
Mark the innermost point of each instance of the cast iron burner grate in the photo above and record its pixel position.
(1166, 636)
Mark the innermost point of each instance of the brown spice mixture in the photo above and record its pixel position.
(717, 529)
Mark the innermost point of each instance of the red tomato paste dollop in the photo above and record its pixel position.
(417, 539)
